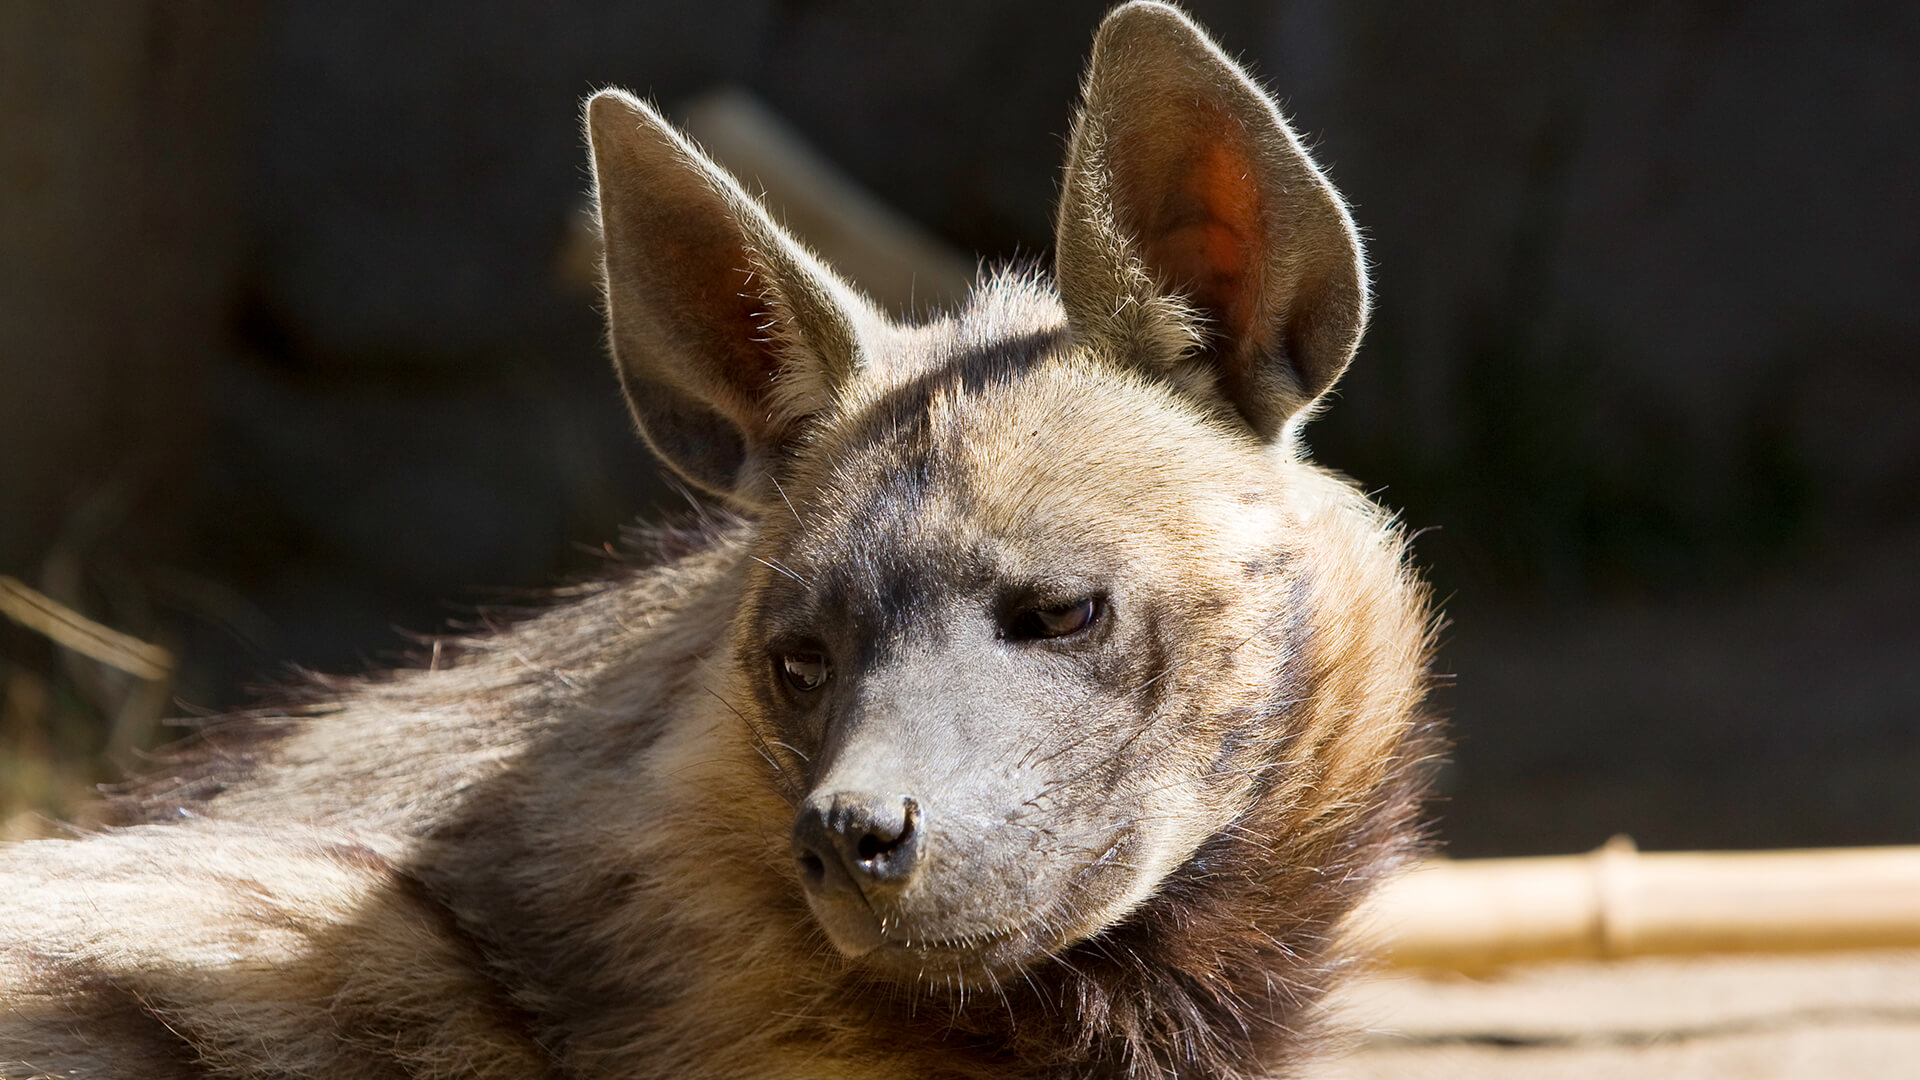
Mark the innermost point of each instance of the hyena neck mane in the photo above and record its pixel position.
(1036, 709)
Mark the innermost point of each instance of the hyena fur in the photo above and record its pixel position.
(1035, 710)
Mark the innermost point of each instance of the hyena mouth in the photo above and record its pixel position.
(1025, 938)
(894, 892)
(973, 943)
(959, 960)
(891, 938)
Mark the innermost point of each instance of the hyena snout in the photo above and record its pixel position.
(857, 843)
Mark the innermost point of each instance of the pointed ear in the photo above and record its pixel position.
(1187, 195)
(726, 333)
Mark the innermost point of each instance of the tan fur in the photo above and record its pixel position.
(568, 850)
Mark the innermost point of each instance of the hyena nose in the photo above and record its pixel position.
(856, 840)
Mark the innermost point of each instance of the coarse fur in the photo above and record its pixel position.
(1048, 580)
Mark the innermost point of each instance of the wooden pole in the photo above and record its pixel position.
(1474, 915)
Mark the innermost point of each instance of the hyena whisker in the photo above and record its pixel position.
(1142, 687)
(1084, 737)
(775, 566)
(1116, 755)
(1179, 731)
(790, 749)
(783, 498)
(1034, 986)
(762, 746)
(1254, 771)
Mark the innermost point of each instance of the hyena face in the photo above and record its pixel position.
(1028, 623)
(1010, 644)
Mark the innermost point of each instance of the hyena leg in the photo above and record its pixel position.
(217, 950)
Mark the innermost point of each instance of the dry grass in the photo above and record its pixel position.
(67, 728)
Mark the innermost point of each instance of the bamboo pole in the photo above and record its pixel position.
(1475, 915)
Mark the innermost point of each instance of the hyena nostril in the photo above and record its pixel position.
(857, 840)
(878, 842)
(812, 870)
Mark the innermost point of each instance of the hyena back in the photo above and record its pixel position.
(1035, 709)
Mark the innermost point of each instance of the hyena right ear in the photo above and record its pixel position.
(1195, 232)
(726, 332)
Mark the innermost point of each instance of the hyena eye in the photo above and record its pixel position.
(1055, 622)
(804, 671)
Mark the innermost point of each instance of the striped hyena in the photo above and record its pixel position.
(1035, 709)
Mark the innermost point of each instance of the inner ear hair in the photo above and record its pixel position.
(726, 332)
(1193, 224)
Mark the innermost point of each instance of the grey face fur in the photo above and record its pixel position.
(986, 651)
(1014, 661)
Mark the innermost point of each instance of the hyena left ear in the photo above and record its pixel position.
(727, 334)
(1193, 227)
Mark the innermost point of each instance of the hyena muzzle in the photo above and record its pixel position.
(1033, 709)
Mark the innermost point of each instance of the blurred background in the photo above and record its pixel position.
(296, 350)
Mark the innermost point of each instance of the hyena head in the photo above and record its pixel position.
(1046, 623)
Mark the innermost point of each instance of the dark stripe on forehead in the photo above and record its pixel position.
(909, 531)
(960, 369)
(905, 542)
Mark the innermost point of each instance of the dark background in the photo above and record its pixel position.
(287, 359)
